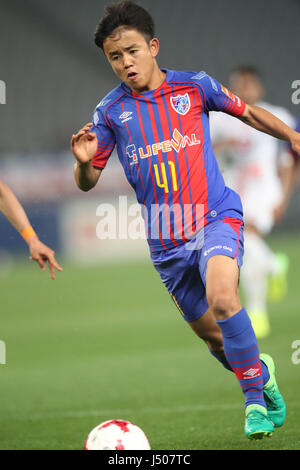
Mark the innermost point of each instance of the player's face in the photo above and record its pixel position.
(132, 58)
(248, 87)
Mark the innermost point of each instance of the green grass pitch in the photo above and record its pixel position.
(107, 342)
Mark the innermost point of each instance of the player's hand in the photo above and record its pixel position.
(41, 253)
(84, 144)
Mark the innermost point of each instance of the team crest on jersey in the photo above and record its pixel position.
(181, 103)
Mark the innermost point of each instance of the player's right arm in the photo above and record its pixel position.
(84, 147)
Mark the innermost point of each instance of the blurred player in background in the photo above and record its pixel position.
(159, 121)
(262, 171)
(14, 212)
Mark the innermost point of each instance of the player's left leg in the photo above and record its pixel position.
(207, 329)
(239, 340)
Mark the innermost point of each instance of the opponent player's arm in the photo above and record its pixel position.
(265, 121)
(14, 212)
(289, 174)
(12, 209)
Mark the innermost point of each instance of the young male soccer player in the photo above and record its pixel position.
(14, 212)
(159, 121)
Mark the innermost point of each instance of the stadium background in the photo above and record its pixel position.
(54, 77)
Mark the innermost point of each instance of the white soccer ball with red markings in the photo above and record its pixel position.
(117, 434)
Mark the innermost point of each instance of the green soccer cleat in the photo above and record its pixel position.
(273, 398)
(257, 424)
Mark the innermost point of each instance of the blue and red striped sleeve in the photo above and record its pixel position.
(105, 137)
(218, 98)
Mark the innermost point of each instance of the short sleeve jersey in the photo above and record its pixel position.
(163, 143)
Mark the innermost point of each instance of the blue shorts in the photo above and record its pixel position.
(183, 269)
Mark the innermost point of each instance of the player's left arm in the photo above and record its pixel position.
(266, 122)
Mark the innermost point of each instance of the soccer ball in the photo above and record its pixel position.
(117, 434)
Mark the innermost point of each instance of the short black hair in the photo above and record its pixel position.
(124, 13)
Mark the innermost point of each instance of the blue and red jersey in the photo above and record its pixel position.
(163, 143)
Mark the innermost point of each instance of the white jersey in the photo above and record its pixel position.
(250, 164)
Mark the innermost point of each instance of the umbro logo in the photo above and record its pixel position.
(126, 116)
(251, 373)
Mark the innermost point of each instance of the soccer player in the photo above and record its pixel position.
(262, 171)
(14, 212)
(159, 121)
